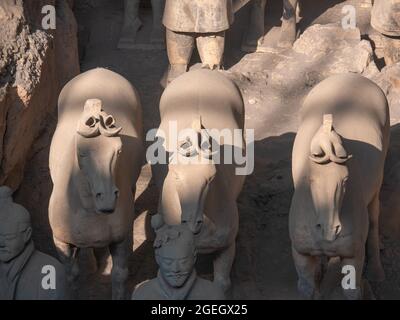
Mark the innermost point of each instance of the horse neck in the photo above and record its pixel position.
(355, 198)
(79, 182)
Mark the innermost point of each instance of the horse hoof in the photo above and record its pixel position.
(305, 289)
(375, 273)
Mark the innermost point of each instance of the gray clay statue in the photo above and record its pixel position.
(202, 195)
(95, 159)
(175, 253)
(132, 24)
(255, 34)
(385, 17)
(200, 21)
(337, 164)
(25, 273)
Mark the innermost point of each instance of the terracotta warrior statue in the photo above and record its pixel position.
(254, 36)
(200, 21)
(385, 17)
(175, 253)
(133, 23)
(25, 273)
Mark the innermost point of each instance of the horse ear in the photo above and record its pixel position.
(320, 145)
(339, 153)
(339, 149)
(107, 125)
(316, 149)
(88, 125)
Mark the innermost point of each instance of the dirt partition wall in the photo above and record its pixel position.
(35, 62)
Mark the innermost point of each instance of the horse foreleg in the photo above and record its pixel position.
(119, 274)
(223, 266)
(355, 293)
(374, 267)
(309, 271)
(67, 254)
(101, 255)
(288, 29)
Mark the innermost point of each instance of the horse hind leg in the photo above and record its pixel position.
(101, 255)
(67, 254)
(119, 274)
(309, 271)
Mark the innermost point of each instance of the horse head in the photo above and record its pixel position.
(328, 178)
(98, 146)
(190, 173)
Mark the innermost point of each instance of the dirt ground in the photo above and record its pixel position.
(263, 268)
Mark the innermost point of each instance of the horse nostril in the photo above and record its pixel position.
(99, 196)
(116, 192)
(184, 221)
(318, 226)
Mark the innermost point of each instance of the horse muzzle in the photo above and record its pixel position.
(106, 203)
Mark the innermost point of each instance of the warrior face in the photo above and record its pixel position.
(14, 236)
(177, 258)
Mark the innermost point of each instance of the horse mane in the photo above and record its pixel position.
(326, 145)
(94, 121)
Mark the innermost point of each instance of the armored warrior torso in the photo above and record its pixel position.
(199, 16)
